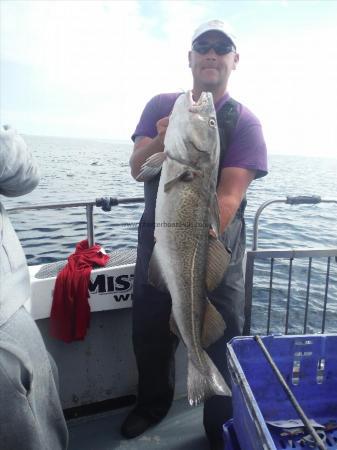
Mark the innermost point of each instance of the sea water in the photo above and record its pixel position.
(82, 170)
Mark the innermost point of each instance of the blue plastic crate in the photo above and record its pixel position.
(309, 365)
(231, 440)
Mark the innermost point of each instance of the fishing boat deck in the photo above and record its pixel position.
(182, 429)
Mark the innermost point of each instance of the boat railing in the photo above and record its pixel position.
(289, 200)
(270, 258)
(105, 203)
(277, 296)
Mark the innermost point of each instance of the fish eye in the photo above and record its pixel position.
(212, 122)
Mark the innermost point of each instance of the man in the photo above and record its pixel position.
(31, 416)
(243, 157)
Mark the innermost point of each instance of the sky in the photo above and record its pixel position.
(87, 68)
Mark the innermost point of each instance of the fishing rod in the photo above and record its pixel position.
(318, 441)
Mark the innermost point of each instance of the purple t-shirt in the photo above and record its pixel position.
(246, 149)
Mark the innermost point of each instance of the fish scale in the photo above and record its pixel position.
(185, 210)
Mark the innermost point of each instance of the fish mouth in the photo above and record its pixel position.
(205, 100)
(204, 97)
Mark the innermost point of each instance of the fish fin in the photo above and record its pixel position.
(202, 386)
(214, 325)
(185, 175)
(218, 260)
(215, 215)
(174, 327)
(155, 276)
(151, 167)
(171, 183)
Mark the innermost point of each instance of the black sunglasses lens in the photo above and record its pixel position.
(202, 48)
(220, 48)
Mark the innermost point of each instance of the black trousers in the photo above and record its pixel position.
(155, 345)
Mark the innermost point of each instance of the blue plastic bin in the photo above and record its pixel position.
(309, 365)
(231, 441)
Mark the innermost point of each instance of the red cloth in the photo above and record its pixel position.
(70, 312)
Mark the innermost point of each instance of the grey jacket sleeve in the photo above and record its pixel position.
(25, 422)
(18, 169)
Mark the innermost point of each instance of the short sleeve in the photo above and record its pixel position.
(247, 148)
(147, 123)
(158, 107)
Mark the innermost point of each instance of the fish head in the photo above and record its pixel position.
(192, 134)
(202, 135)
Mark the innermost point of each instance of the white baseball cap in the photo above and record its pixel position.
(213, 25)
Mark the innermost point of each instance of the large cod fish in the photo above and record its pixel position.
(187, 261)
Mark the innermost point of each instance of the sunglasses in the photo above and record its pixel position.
(220, 48)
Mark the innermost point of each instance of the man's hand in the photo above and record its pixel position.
(161, 126)
(212, 233)
(145, 147)
(233, 185)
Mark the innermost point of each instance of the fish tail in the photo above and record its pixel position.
(201, 386)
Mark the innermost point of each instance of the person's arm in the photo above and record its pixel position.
(233, 185)
(19, 424)
(145, 147)
(18, 169)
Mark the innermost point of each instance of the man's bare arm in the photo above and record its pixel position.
(145, 147)
(233, 185)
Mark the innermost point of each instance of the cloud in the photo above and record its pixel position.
(87, 68)
(97, 56)
(288, 80)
